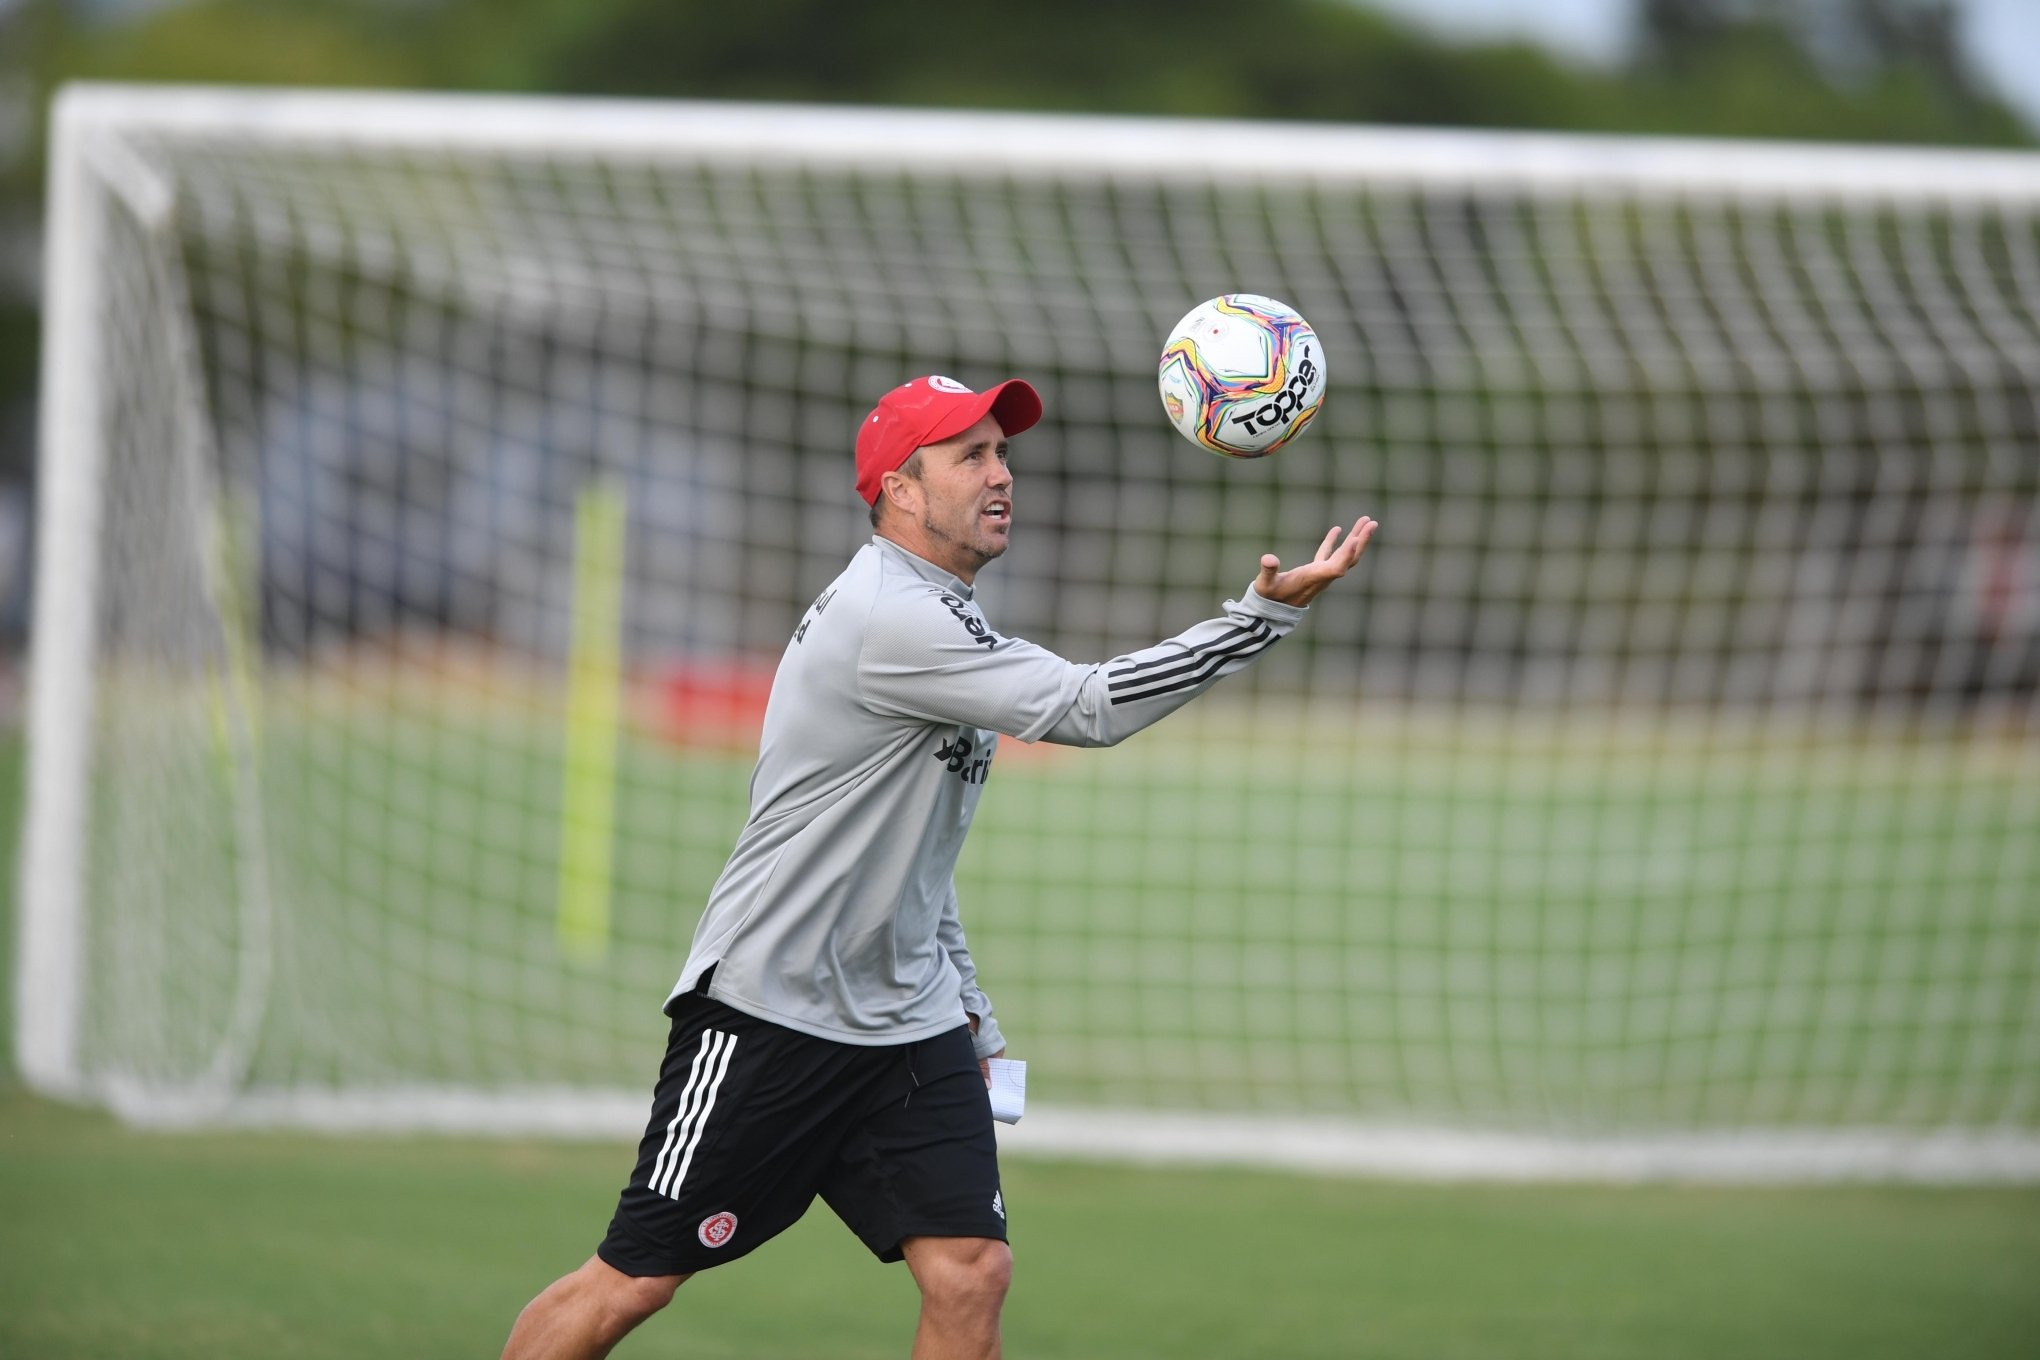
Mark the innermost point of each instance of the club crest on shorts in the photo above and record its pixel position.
(717, 1229)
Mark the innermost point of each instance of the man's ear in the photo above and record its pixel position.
(900, 490)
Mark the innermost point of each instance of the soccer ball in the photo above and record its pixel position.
(1242, 375)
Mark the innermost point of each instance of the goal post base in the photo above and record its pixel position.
(1160, 1138)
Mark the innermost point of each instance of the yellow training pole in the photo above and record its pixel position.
(594, 704)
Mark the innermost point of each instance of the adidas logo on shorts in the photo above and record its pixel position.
(999, 1203)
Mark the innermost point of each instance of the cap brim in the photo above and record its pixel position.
(1016, 406)
(1013, 403)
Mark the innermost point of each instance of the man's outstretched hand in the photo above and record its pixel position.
(1300, 585)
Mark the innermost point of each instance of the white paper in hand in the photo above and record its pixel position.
(1009, 1089)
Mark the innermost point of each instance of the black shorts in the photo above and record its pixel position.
(751, 1120)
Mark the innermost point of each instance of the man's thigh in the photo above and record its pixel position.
(922, 1160)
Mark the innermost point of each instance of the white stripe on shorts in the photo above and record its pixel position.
(672, 1191)
(704, 1058)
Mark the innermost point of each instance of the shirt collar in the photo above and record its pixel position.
(922, 567)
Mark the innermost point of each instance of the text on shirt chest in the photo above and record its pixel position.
(959, 761)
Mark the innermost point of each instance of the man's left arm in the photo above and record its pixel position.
(986, 1039)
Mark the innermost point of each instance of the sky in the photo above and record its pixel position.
(2003, 36)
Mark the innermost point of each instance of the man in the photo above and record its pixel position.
(829, 1036)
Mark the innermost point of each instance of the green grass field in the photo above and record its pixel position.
(117, 1243)
(114, 1243)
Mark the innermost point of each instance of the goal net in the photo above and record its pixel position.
(430, 484)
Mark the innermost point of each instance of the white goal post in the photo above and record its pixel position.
(428, 484)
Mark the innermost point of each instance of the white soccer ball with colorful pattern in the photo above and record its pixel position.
(1242, 375)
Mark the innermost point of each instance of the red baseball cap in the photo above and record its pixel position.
(929, 410)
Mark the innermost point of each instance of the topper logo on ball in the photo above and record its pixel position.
(1286, 403)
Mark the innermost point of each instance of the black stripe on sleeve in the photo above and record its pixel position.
(1213, 667)
(1189, 674)
(1134, 668)
(1245, 639)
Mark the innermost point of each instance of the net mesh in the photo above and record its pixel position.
(1669, 765)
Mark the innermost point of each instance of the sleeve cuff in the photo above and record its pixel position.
(1259, 605)
(987, 1040)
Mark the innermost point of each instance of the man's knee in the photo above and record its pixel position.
(623, 1301)
(638, 1298)
(967, 1273)
(588, 1311)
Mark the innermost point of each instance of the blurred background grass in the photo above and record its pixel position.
(1147, 949)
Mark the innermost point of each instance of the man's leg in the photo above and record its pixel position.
(963, 1284)
(582, 1315)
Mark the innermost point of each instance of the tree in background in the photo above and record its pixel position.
(1845, 70)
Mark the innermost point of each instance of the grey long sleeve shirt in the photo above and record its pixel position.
(837, 915)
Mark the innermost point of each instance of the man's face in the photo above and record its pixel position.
(966, 498)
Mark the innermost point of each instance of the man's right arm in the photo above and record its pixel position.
(1137, 690)
(926, 656)
(919, 663)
